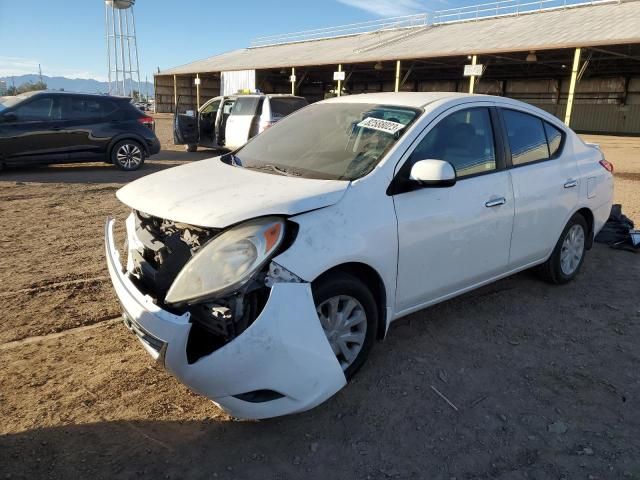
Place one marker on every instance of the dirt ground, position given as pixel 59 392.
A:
pixel 544 379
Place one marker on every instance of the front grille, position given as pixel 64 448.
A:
pixel 168 246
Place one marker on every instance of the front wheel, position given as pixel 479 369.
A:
pixel 127 155
pixel 568 254
pixel 349 317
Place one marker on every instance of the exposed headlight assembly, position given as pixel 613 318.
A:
pixel 228 261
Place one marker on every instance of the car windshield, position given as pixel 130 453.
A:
pixel 333 141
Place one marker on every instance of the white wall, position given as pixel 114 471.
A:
pixel 233 81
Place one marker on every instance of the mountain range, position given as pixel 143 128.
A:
pixel 84 85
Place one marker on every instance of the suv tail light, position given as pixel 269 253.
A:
pixel 608 166
pixel 146 121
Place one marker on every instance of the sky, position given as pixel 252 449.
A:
pixel 67 37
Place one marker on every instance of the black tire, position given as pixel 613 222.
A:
pixel 551 271
pixel 191 147
pixel 128 161
pixel 344 284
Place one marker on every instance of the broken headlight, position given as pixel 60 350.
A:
pixel 228 261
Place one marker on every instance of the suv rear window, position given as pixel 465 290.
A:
pixel 246 106
pixel 283 106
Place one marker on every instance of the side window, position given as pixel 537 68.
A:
pixel 554 138
pixel 228 106
pixel 88 108
pixel 213 107
pixel 40 109
pixel 283 106
pixel 246 106
pixel 465 139
pixel 527 139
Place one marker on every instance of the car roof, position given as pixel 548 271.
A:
pixel 261 95
pixel 64 92
pixel 405 99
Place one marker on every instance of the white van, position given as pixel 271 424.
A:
pixel 229 122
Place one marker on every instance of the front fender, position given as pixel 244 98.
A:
pixel 361 228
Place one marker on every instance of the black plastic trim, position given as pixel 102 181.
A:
pixel 259 396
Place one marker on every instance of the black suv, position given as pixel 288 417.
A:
pixel 59 127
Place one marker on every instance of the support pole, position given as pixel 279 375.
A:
pixel 572 86
pixel 115 47
pixel 175 94
pixel 198 92
pixel 293 80
pixel 106 23
pixel 472 80
pixel 124 64
pixel 340 82
pixel 135 42
pixel 398 65
pixel 131 84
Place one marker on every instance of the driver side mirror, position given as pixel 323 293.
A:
pixel 9 117
pixel 433 173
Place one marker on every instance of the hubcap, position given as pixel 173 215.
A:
pixel 572 250
pixel 345 324
pixel 129 156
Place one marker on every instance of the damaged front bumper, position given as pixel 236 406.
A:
pixel 281 364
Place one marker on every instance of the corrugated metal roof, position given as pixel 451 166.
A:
pixel 607 24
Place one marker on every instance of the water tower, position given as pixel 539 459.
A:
pixel 122 47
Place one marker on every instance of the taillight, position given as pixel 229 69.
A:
pixel 146 121
pixel 608 166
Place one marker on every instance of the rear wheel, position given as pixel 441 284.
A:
pixel 127 155
pixel 191 147
pixel 568 254
pixel 349 317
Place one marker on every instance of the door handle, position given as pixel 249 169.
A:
pixel 496 202
pixel 571 183
pixel 56 129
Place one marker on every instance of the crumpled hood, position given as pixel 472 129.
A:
pixel 210 193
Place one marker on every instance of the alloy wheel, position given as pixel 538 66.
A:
pixel 344 322
pixel 572 250
pixel 129 156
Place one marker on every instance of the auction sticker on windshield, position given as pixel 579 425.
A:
pixel 386 126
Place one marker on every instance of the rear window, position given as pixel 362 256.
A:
pixel 246 106
pixel 527 138
pixel 283 106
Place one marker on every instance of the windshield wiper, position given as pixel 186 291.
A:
pixel 288 173
pixel 274 168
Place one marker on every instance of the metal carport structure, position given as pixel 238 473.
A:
pixel 547 53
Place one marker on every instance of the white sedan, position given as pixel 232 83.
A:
pixel 262 278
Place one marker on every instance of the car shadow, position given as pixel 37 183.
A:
pixel 100 172
pixel 161 449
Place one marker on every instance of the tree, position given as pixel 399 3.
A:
pixel 28 87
